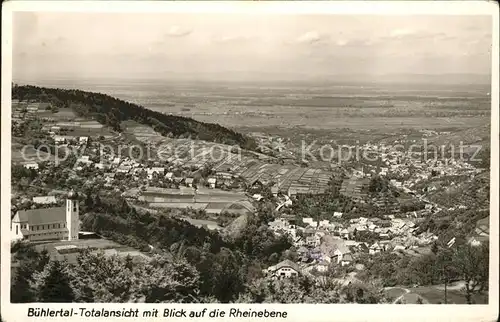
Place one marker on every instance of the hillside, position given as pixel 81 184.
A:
pixel 112 111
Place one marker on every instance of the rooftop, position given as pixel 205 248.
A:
pixel 41 216
pixel 287 263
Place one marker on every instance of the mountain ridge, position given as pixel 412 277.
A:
pixel 112 111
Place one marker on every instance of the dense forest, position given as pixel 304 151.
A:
pixel 167 278
pixel 112 111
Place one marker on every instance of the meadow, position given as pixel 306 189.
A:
pixel 310 106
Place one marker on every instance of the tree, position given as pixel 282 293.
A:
pixel 20 290
pixel 30 262
pixel 227 282
pixel 98 278
pixel 472 264
pixel 52 285
pixel 434 248
pixel 363 294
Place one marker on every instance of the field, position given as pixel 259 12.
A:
pixel 433 294
pixel 436 296
pixel 21 154
pixel 213 201
pixel 394 292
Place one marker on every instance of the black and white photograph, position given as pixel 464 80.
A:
pixel 249 158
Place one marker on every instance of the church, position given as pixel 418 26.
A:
pixel 57 223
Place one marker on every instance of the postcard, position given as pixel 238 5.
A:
pixel 250 160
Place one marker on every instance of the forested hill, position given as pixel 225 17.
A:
pixel 112 111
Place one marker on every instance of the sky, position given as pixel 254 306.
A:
pixel 253 46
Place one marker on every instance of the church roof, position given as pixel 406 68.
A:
pixel 42 216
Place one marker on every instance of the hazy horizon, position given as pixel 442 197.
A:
pixel 251 48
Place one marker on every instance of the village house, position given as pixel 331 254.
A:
pixel 123 169
pixel 351 243
pixel 85 159
pixel 44 200
pixel 340 254
pixel 284 269
pixel 59 139
pixel 224 175
pixel 385 245
pixel 257 197
pixel 101 166
pixel 156 170
pixel 283 202
pixel 322 266
pixel 60 223
pixel 278 224
pixel 212 182
pixel 55 129
pixel 344 233
pixel 301 250
pixel 346 259
pixel 310 222
pixel 298 241
pixel 83 139
pixel 399 247
pixel 292 192
pixel 375 248
pixel 477 241
pixel 275 190
pixel 313 241
pixel 189 182
pixel 109 177
pixel 337 214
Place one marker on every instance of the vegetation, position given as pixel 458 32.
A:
pixel 112 111
pixel 462 262
pixel 183 275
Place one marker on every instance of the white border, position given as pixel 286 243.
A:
pixel 300 312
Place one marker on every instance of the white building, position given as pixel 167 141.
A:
pixel 212 182
pixel 340 254
pixel 33 166
pixel 59 139
pixel 284 269
pixel 60 223
pixel 189 182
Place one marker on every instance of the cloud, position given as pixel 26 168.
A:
pixel 342 42
pixel 310 37
pixel 177 31
pixel 360 42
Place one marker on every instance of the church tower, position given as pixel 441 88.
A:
pixel 72 216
